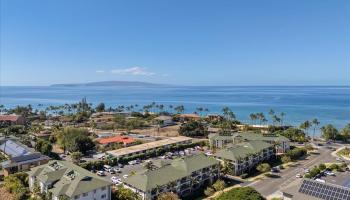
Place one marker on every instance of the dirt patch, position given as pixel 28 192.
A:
pixel 4 194
pixel 169 131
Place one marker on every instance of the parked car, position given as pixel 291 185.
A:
pixel 320 180
pixel 101 173
pixel 329 173
pixel 117 170
pixel 133 162
pixel 125 176
pixel 298 176
pixel 275 169
pixel 107 167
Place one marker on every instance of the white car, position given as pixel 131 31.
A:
pixel 306 171
pixel 339 159
pixel 298 176
pixel 100 173
pixel 329 173
pixel 114 178
pixel 117 170
pixel 208 153
pixel 125 176
pixel 320 180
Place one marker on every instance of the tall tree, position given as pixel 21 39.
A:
pixel 329 132
pixel 345 132
pixel 305 126
pixel 315 124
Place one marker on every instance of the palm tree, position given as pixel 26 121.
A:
pixel 305 126
pixel 315 124
pixel 272 113
pixel 253 117
pixel 228 114
pixel 282 117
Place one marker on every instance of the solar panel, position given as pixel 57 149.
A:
pixel 324 191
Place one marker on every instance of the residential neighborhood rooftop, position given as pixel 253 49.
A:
pixel 68 179
pixel 117 139
pixel 11 118
pixel 177 169
pixel 242 150
pixel 150 145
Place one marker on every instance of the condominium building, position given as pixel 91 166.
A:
pixel 280 143
pixel 244 156
pixel 20 157
pixel 149 147
pixel 64 179
pixel 181 176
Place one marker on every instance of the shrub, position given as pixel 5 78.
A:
pixel 263 167
pixel 209 191
pixel 286 159
pixel 246 193
pixel 296 153
pixel 322 167
pixel 219 185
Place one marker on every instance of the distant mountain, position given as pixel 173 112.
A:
pixel 109 83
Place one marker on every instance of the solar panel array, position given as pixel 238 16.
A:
pixel 324 191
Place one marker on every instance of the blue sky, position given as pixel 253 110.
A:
pixel 187 42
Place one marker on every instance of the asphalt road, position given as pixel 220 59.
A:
pixel 269 186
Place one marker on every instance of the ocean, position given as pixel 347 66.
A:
pixel 329 104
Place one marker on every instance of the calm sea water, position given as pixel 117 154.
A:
pixel 330 104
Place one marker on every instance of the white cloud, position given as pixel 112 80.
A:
pixel 133 71
pixel 100 71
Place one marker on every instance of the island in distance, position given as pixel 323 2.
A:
pixel 110 83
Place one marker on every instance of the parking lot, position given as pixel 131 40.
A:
pixel 140 165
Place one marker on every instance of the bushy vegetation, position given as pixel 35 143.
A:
pixel 263 167
pixel 44 147
pixel 168 196
pixel 124 194
pixel 294 134
pixel 296 153
pixel 193 129
pixel 17 184
pixel 246 193
pixel 75 139
pixel 344 152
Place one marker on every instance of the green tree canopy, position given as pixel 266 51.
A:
pixel 263 167
pixel 329 132
pixel 43 146
pixel 345 132
pixel 193 128
pixel 100 107
pixel 125 194
pixel 75 139
pixel 246 193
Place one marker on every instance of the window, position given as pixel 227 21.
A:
pixel 85 194
pixel 76 197
pixel 103 188
pixel 103 196
pixel 94 191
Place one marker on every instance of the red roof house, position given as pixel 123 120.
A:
pixel 126 141
pixel 12 119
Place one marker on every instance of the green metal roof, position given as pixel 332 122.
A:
pixel 177 169
pixel 242 150
pixel 249 136
pixel 68 179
